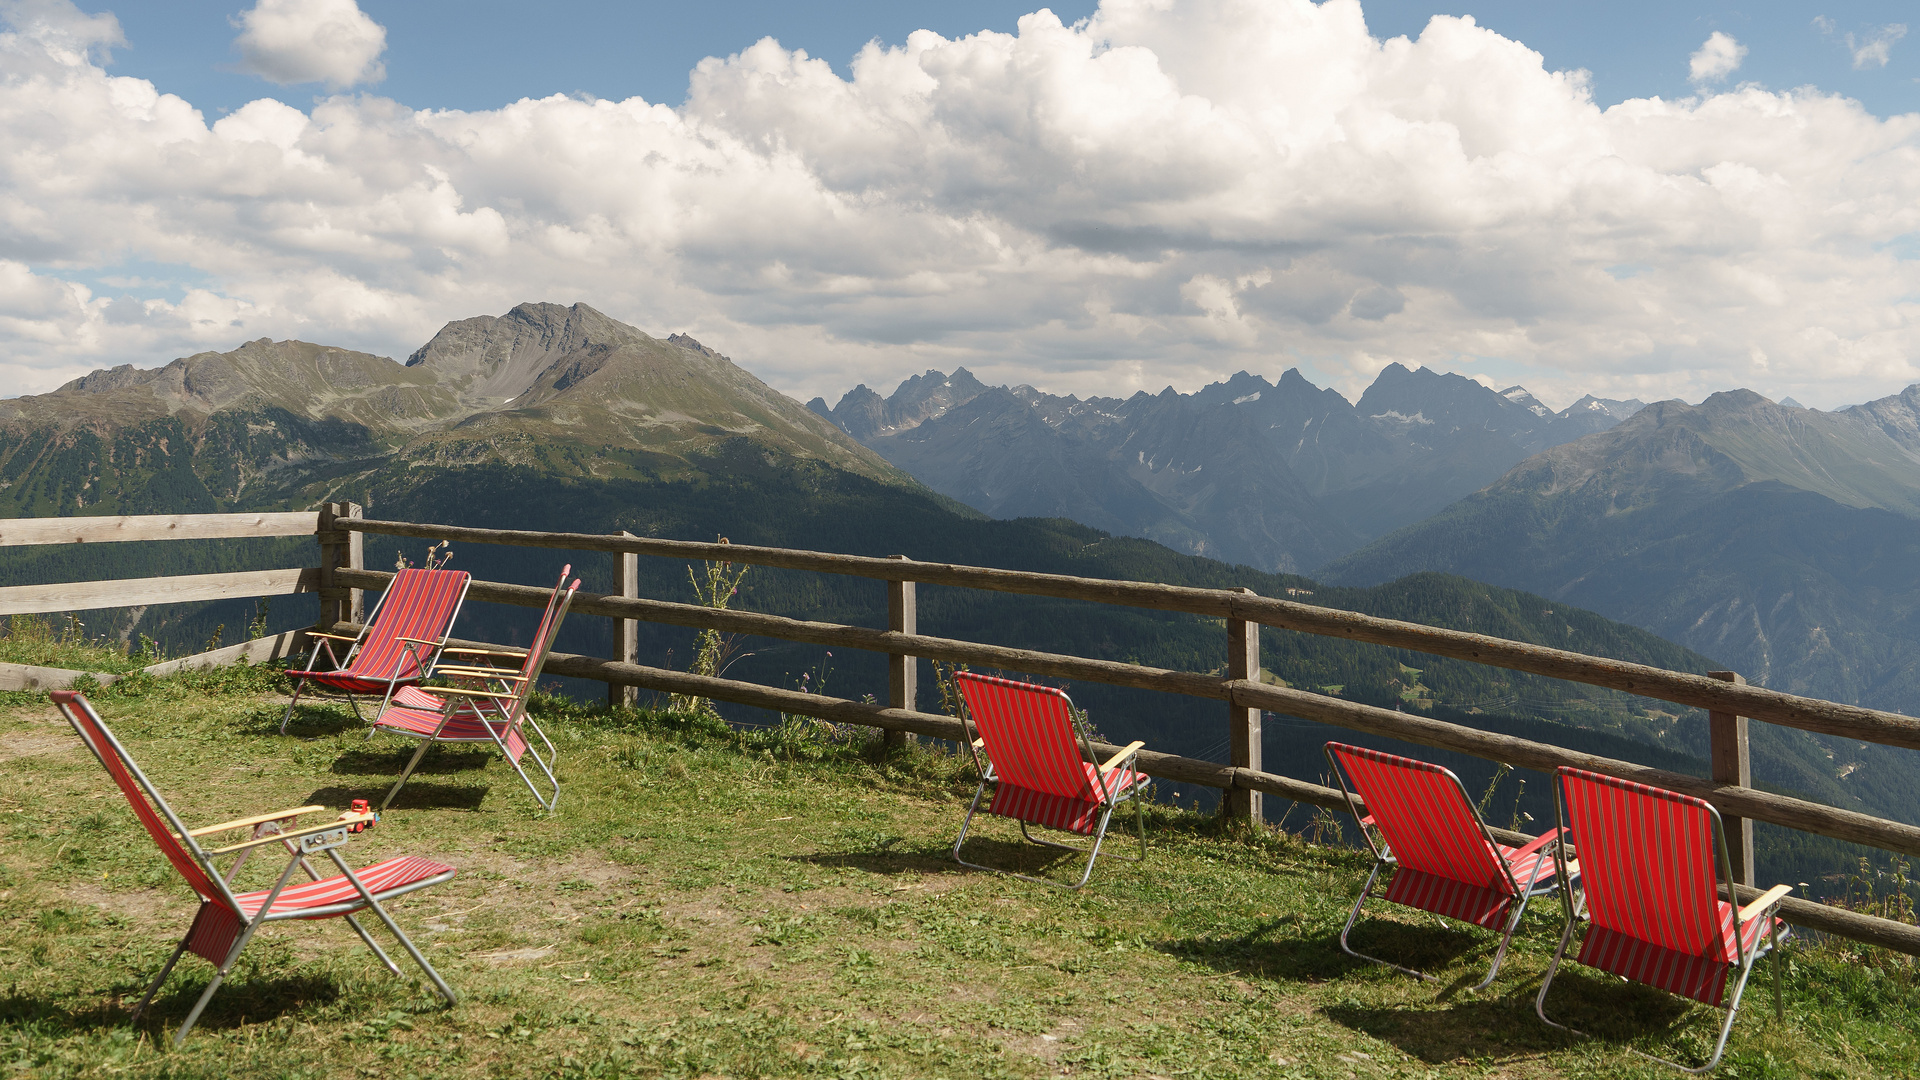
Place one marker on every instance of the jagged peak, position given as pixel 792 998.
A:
pixel 686 341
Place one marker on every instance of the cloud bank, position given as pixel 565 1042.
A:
pixel 1166 193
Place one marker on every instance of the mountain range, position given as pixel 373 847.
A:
pixel 1769 538
pixel 1781 540
pixel 1281 477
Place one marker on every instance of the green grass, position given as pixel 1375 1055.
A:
pixel 29 639
pixel 715 903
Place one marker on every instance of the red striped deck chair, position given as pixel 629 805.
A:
pixel 227 920
pixel 1652 865
pixel 491 709
pixel 398 647
pixel 1444 861
pixel 1039 761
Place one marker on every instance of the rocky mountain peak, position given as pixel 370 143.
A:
pixel 489 359
pixel 686 341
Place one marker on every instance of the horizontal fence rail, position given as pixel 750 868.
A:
pixel 15 532
pixel 134 592
pixel 1745 802
pixel 1682 688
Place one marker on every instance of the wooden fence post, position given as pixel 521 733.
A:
pixel 1243 724
pixel 1733 764
pixel 356 560
pixel 903 672
pixel 332 542
pixel 626 632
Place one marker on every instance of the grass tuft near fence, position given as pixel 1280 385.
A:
pixel 717 902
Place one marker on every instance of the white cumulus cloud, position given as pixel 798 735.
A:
pixel 1166 193
pixel 1716 59
pixel 303 41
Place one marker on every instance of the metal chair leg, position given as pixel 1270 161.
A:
pixel 154 986
pixel 1366 893
pixel 394 928
pixel 425 744
pixel 298 689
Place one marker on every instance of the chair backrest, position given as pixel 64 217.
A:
pixel 536 658
pixel 1648 861
pixel 1429 823
pixel 169 834
pixel 417 604
pixel 1029 732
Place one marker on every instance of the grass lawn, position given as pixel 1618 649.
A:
pixel 708 903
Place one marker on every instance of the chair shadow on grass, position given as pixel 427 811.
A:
pixel 417 795
pixel 377 760
pixel 310 721
pixel 1500 1023
pixel 1274 951
pixel 895 856
pixel 246 999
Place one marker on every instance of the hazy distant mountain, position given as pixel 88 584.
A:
pixel 1782 540
pixel 1281 477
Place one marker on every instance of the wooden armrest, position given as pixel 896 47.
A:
pixel 518 654
pixel 417 641
pixel 1121 755
pixel 257 819
pixel 1764 901
pixel 335 637
pixel 461 691
pixel 350 819
pixel 481 672
pixel 979 744
pixel 1573 869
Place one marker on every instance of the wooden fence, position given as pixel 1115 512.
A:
pixel 341 579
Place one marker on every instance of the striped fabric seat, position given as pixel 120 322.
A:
pixel 1441 856
pixel 448 715
pixel 1652 863
pixel 1039 763
pixel 227 921
pixel 417 712
pixel 418 604
pixel 217 927
pixel 1067 813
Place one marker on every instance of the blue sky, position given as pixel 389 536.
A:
pixel 1108 197
pixel 479 54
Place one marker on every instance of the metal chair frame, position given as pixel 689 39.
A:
pixel 410 650
pixel 1110 799
pixel 1384 859
pixel 326 838
pixel 500 711
pixel 1746 958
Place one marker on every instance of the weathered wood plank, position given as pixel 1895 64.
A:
pixel 108 530
pixel 840 635
pixel 131 592
pixel 258 651
pixel 1772 706
pixel 1209 602
pixel 1699 691
pixel 34 677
